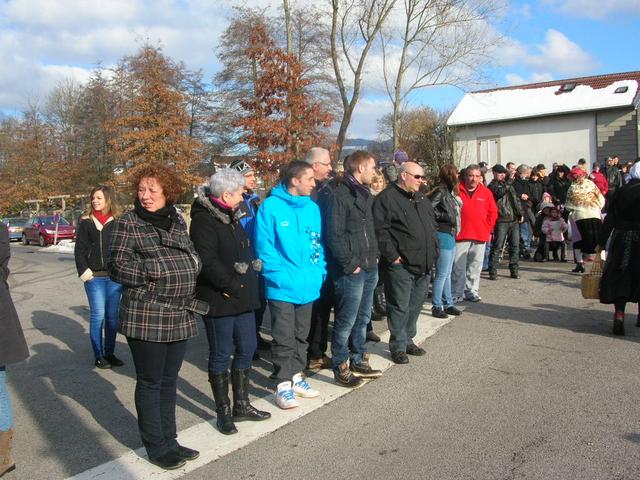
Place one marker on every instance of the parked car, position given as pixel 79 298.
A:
pixel 14 225
pixel 42 230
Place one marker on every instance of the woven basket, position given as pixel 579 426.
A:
pixel 591 281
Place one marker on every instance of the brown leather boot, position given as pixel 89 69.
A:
pixel 6 461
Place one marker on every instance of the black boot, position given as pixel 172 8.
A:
pixel 220 387
pixel 379 302
pixel 242 409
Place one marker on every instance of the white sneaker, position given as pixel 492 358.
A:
pixel 285 398
pixel 302 389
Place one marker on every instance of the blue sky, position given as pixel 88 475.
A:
pixel 44 42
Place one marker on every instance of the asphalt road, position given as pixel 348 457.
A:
pixel 527 384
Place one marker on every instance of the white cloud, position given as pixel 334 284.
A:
pixel 597 9
pixel 45 41
pixel 556 57
pixel 514 79
pixel 364 122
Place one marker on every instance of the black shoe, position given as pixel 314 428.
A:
pixel 345 377
pixel 438 312
pixel 186 453
pixel 453 311
pixel 416 351
pixel 169 461
pixel 618 326
pixel 242 409
pixel 372 337
pixel 102 363
pixel 493 275
pixel 113 360
pixel 579 268
pixel 220 387
pixel 399 357
pixel 514 274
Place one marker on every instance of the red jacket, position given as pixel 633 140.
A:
pixel 478 216
pixel 601 181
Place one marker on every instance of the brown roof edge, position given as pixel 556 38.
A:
pixel 596 82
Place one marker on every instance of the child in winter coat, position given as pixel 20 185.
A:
pixel 554 228
pixel 542 252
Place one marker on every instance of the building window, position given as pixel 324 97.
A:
pixel 621 89
pixel 568 87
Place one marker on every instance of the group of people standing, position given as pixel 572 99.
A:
pixel 315 244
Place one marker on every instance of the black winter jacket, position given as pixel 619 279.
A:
pixel 92 244
pixel 225 251
pixel 406 228
pixel 444 209
pixel 350 233
pixel 507 201
pixel 559 188
pixel 537 189
pixel 614 178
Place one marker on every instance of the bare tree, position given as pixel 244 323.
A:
pixel 423 133
pixel 435 42
pixel 355 25
pixel 287 24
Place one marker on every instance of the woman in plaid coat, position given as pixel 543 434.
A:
pixel 152 256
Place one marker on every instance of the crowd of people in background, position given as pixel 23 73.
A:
pixel 364 244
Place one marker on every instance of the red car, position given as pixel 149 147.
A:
pixel 42 230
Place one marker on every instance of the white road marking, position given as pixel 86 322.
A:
pixel 213 445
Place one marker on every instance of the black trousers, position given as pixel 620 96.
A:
pixel 320 315
pixel 157 366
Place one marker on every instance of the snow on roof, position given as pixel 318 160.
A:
pixel 590 93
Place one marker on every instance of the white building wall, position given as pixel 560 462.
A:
pixel 562 139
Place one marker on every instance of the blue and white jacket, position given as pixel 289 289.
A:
pixel 288 241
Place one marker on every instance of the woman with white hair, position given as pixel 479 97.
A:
pixel 228 282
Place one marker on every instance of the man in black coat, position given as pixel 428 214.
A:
pixel 509 215
pixel 523 189
pixel 406 232
pixel 318 337
pixel 352 258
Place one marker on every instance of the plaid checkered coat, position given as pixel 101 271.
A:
pixel 158 270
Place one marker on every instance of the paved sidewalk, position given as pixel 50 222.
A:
pixel 74 420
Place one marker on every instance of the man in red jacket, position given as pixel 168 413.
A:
pixel 477 219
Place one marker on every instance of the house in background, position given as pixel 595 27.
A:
pixel 559 121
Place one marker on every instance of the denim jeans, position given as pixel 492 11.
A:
pixel 289 329
pixel 353 302
pixel 505 232
pixel 6 411
pixel 228 334
pixel 525 235
pixel 442 297
pixel 405 294
pixel 104 302
pixel 157 367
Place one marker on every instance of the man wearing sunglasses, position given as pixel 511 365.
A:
pixel 406 232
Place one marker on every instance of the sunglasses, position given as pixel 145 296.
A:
pixel 417 177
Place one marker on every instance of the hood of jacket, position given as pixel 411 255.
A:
pixel 294 201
